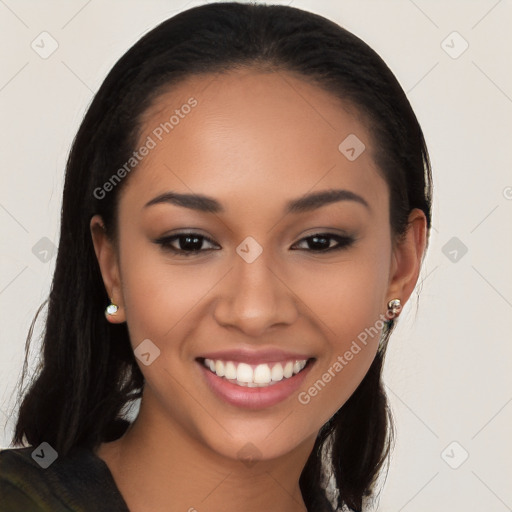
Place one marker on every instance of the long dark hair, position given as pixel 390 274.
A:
pixel 88 374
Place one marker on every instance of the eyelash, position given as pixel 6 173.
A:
pixel 343 243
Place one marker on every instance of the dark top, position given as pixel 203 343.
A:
pixel 79 482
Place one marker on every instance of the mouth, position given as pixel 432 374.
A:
pixel 254 386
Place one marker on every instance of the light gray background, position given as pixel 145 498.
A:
pixel 448 366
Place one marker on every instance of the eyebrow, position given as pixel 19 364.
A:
pixel 305 203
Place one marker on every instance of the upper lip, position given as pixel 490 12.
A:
pixel 270 355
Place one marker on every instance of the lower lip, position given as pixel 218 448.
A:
pixel 254 398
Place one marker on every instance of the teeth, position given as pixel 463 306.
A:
pixel 243 373
pixel 288 370
pixel 298 366
pixel 229 371
pixel 219 368
pixel 277 373
pixel 261 375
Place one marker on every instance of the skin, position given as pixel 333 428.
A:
pixel 254 141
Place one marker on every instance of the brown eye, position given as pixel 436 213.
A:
pixel 185 244
pixel 323 242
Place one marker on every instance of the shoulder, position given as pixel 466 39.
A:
pixel 38 480
pixel 22 485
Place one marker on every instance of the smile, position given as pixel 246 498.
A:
pixel 255 385
pixel 251 375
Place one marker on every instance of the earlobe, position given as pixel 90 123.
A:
pixel 407 257
pixel 109 268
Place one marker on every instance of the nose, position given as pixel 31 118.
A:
pixel 255 298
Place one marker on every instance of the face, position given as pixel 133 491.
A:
pixel 241 282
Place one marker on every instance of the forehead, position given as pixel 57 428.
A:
pixel 247 133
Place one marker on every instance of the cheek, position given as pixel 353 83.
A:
pixel 347 296
pixel 349 305
pixel 158 295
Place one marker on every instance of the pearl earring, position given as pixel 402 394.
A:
pixel 111 309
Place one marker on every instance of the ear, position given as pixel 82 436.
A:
pixel 109 267
pixel 407 257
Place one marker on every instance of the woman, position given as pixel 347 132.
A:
pixel 246 209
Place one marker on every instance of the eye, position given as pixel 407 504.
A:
pixel 191 244
pixel 185 244
pixel 322 242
